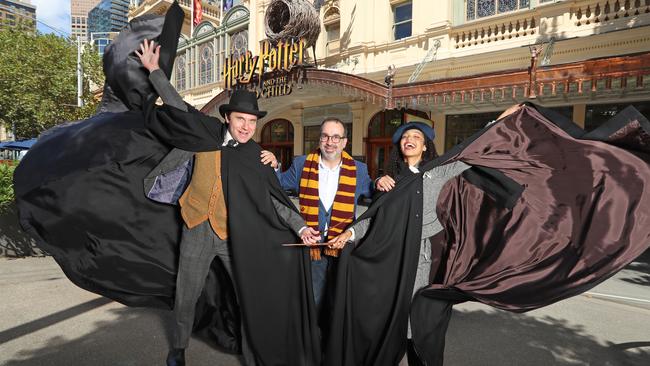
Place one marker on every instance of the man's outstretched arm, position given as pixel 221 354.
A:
pixel 149 57
pixel 175 122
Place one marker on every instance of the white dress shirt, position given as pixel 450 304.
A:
pixel 328 183
pixel 227 138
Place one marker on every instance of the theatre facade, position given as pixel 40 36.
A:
pixel 458 64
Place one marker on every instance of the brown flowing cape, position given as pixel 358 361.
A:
pixel 546 212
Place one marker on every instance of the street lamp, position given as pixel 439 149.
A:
pixel 80 101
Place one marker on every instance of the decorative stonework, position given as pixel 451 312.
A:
pixel 606 78
pixel 237 14
pixel 332 15
pixel 605 11
pixel 496 31
pixel 203 28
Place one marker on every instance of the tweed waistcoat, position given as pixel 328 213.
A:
pixel 204 199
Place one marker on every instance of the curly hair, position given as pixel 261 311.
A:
pixel 395 166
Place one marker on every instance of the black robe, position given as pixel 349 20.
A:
pixel 85 205
pixel 283 331
pixel 80 194
pixel 545 213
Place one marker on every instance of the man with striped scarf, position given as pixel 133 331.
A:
pixel 329 183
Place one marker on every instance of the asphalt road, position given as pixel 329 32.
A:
pixel 46 320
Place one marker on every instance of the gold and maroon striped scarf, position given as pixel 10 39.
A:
pixel 342 211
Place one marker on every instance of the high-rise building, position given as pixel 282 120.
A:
pixel 79 17
pixel 104 21
pixel 108 16
pixel 101 40
pixel 17 12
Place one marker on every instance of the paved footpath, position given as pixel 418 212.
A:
pixel 46 320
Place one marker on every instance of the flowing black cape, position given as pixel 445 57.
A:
pixel 80 194
pixel 546 212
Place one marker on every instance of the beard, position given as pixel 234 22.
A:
pixel 330 156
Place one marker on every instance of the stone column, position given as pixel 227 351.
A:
pixel 439 124
pixel 579 112
pixel 358 109
pixel 295 116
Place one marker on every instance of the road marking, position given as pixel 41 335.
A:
pixel 597 294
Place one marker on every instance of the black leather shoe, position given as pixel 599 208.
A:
pixel 176 357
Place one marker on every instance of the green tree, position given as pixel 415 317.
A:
pixel 6 186
pixel 38 81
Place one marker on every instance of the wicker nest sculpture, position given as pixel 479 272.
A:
pixel 292 19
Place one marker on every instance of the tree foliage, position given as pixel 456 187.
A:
pixel 6 186
pixel 38 81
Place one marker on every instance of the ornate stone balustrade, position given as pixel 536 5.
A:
pixel 608 10
pixel 495 31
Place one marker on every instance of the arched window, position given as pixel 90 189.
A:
pixel 332 22
pixel 207 61
pixel 277 137
pixel 180 73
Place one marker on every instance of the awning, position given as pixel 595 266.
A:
pixel 17 145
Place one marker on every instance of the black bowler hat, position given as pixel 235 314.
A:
pixel 242 101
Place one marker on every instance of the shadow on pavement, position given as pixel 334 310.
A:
pixel 136 337
pixel 46 321
pixel 508 339
pixel 14 242
pixel 641 269
pixel 139 337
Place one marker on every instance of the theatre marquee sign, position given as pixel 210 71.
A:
pixel 270 73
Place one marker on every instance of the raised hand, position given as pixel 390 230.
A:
pixel 150 55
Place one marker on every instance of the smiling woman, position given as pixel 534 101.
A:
pixel 412 147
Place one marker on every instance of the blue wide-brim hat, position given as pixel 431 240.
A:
pixel 423 127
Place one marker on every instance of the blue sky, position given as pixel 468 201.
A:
pixel 55 13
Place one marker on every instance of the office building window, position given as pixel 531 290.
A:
pixel 402 17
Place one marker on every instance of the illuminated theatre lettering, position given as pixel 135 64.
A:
pixel 273 62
